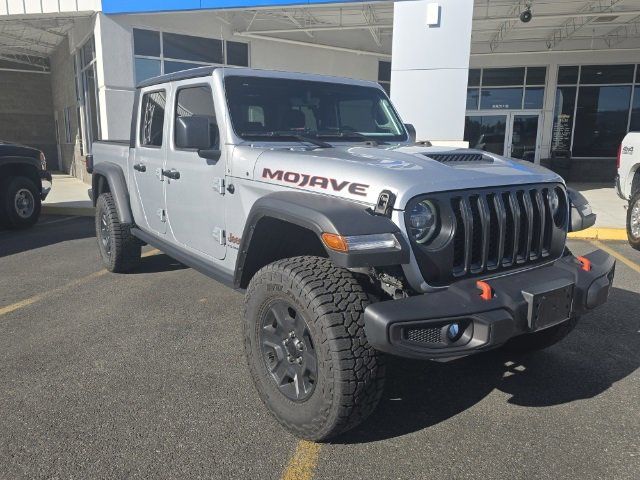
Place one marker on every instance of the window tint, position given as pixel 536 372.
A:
pixel 384 71
pixel 198 101
pixel 536 75
pixel 171 66
pixel 474 77
pixel 196 49
pixel 601 120
pixel 146 68
pixel 152 118
pixel 567 75
pixel 501 98
pixel 534 97
pixel 473 94
pixel 495 77
pixel 146 42
pixel 238 54
pixel 606 74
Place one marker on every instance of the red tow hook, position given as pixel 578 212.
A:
pixel 486 292
pixel 585 262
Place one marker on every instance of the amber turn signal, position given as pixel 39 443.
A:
pixel 335 242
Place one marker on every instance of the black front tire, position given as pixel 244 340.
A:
pixel 633 219
pixel 119 249
pixel 20 204
pixel 532 342
pixel 328 302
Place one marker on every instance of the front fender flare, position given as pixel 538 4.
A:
pixel 114 177
pixel 323 214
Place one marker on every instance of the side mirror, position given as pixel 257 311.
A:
pixel 411 130
pixel 209 154
pixel 581 216
pixel 193 132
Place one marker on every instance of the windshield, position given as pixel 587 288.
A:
pixel 276 109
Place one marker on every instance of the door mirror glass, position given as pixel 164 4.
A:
pixel 193 132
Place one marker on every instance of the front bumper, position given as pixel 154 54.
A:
pixel 47 182
pixel 416 327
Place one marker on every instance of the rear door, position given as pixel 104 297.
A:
pixel 195 201
pixel 149 158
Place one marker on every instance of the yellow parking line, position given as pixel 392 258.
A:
pixel 629 263
pixel 303 464
pixel 41 296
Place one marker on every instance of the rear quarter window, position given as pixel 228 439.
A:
pixel 152 118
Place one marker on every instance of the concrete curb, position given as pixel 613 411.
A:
pixel 71 211
pixel 597 233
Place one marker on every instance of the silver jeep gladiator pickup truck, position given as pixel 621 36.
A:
pixel 351 240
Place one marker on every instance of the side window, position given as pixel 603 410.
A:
pixel 199 101
pixel 152 118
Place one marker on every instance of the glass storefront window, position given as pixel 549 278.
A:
pixel 486 132
pixel 635 112
pixel 473 94
pixel 146 68
pixel 601 120
pixel 496 77
pixel 536 75
pixel 602 74
pixel 563 121
pixel 533 98
pixel 474 77
pixel 501 98
pixel 568 75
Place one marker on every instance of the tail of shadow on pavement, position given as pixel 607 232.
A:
pixel 157 263
pixel 603 349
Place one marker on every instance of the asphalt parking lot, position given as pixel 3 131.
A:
pixel 143 376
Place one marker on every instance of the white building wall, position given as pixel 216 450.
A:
pixel 429 68
pixel 116 71
pixel 552 60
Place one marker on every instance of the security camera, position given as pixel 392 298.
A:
pixel 526 16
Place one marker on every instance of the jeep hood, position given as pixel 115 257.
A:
pixel 360 173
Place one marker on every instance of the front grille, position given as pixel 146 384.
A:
pixel 503 229
pixel 487 231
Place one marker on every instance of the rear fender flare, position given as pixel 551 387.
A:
pixel 117 185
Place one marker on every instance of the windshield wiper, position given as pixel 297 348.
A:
pixel 284 135
pixel 343 135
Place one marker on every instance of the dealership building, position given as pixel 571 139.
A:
pixel 555 82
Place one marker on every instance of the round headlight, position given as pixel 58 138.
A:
pixel 423 221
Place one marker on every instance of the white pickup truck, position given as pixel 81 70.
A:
pixel 628 184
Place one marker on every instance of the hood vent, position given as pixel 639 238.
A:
pixel 459 158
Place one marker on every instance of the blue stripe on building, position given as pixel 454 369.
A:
pixel 142 6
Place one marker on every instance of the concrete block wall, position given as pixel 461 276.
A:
pixel 26 111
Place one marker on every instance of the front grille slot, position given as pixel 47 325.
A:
pixel 497 230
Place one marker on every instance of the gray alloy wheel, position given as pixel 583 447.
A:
pixel 105 234
pixel 24 203
pixel 633 221
pixel 288 350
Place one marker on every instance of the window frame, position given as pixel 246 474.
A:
pixel 139 127
pixel 175 113
pixel 162 58
pixel 481 86
pixel 634 84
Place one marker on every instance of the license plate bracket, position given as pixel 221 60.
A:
pixel 549 304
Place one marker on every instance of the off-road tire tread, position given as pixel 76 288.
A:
pixel 337 302
pixel 125 249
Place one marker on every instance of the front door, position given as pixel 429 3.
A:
pixel 524 137
pixel 195 200
pixel 149 159
pixel 511 134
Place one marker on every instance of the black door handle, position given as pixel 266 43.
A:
pixel 172 174
pixel 141 167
